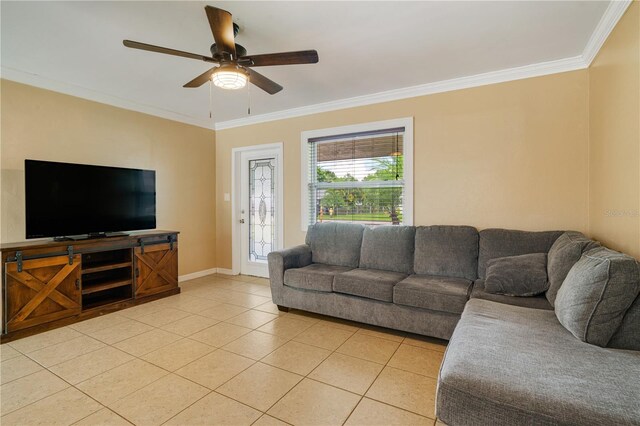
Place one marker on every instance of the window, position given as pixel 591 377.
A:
pixel 360 174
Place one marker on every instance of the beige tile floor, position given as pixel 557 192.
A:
pixel 219 353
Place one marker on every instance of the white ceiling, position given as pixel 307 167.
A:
pixel 364 48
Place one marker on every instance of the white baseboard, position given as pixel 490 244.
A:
pixel 204 273
pixel 198 274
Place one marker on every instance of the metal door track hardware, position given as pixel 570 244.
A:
pixel 19 260
pixel 142 246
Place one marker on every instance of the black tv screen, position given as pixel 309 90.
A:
pixel 65 199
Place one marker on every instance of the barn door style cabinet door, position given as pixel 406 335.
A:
pixel 156 268
pixel 42 290
pixel 49 284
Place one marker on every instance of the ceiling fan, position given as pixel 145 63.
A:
pixel 234 65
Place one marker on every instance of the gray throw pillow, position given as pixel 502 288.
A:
pixel 524 275
pixel 564 253
pixel 496 243
pixel 597 293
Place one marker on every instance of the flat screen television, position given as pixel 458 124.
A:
pixel 64 199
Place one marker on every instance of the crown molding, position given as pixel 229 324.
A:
pixel 492 77
pixel 37 80
pixel 510 74
pixel 607 23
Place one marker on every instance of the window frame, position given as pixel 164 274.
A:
pixel 406 122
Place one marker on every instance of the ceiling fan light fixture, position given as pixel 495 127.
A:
pixel 229 77
pixel 235 67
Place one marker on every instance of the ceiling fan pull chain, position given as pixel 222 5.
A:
pixel 248 95
pixel 210 95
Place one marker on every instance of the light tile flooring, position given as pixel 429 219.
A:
pixel 219 353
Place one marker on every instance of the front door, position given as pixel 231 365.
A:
pixel 258 209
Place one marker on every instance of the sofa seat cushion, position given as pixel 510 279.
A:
pixel 445 294
pixel 515 366
pixel 370 283
pixel 535 302
pixel 316 277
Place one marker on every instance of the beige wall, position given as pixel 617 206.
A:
pixel 554 152
pixel 512 155
pixel 614 116
pixel 45 125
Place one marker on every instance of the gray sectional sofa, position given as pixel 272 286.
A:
pixel 570 355
pixel 415 279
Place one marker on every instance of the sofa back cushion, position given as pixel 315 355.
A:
pixel 595 296
pixel 450 251
pixel 506 242
pixel 628 334
pixel 564 253
pixel 388 248
pixel 335 243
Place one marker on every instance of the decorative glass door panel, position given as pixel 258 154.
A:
pixel 262 202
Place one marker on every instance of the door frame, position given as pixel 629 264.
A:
pixel 275 150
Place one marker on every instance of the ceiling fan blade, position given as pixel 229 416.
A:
pixel 269 86
pixel 166 50
pixel 284 58
pixel 221 24
pixel 201 79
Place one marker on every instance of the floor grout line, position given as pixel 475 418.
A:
pixel 372 382
pixel 320 320
pixel 303 377
pixel 103 408
pixel 328 384
pixel 36 401
pixel 70 386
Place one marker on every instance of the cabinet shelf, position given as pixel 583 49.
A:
pixel 105 267
pixel 94 288
pixel 105 298
pixel 103 303
pixel 106 275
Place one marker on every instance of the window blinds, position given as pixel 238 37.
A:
pixel 357 177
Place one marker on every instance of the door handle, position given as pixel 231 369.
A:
pixel 241 220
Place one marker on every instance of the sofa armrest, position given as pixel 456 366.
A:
pixel 280 261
